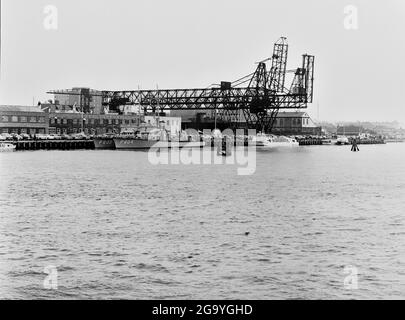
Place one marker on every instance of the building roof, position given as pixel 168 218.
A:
pixel 296 114
pixel 20 108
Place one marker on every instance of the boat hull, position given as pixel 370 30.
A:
pixel 271 145
pixel 104 144
pixel 138 144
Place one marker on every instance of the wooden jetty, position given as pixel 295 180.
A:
pixel 53 145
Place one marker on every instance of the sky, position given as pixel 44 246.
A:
pixel 123 44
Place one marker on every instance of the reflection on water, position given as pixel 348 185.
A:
pixel 117 227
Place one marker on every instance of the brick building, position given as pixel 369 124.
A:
pixel 23 119
pixel 70 123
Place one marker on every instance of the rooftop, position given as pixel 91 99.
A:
pixel 297 114
pixel 20 108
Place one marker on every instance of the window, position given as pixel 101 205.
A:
pixel 52 120
pixel 42 119
pixel 14 119
pixel 4 118
pixel 75 121
pixel 23 119
pixel 58 121
pixel 64 121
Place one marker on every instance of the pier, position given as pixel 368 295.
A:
pixel 54 145
pixel 310 142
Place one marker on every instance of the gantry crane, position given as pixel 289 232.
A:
pixel 252 101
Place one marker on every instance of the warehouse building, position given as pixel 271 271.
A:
pixel 23 119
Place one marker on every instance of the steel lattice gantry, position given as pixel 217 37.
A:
pixel 252 101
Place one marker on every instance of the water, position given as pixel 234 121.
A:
pixel 117 227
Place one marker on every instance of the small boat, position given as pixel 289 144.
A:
pixel 272 141
pixel 7 147
pixel 342 140
pixel 326 141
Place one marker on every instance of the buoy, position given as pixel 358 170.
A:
pixel 355 147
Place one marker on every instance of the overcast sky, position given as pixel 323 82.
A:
pixel 121 44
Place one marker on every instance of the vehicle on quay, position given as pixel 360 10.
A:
pixel 80 136
pixel 25 136
pixel 56 137
pixel 267 141
pixel 65 137
pixel 16 137
pixel 7 147
pixel 41 136
pixel 7 136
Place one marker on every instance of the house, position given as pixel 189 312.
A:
pixel 295 123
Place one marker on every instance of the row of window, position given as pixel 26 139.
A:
pixel 93 121
pixel 57 130
pixel 78 130
pixel 23 130
pixel 22 119
pixel 295 121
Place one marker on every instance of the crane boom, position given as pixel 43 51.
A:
pixel 256 104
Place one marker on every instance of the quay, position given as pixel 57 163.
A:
pixel 310 142
pixel 54 145
pixel 369 141
pixel 31 145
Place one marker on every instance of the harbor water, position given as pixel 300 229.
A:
pixel 117 227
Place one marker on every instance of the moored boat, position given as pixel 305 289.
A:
pixel 272 141
pixel 342 140
pixel 7 147
pixel 104 142
pixel 153 138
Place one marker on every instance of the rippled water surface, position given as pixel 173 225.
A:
pixel 117 227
